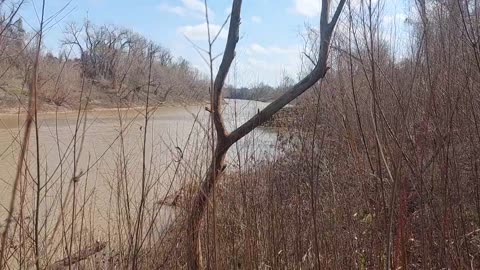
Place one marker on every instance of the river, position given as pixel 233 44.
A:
pixel 105 147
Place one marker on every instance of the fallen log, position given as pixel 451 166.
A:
pixel 79 256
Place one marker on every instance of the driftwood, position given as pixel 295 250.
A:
pixel 79 256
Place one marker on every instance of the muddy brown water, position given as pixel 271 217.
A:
pixel 109 147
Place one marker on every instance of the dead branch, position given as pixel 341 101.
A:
pixel 79 256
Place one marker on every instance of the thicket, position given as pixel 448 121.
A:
pixel 379 168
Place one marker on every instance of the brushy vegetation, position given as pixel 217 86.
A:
pixel 109 61
pixel 375 167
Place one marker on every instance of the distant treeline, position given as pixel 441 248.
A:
pixel 259 92
pixel 110 63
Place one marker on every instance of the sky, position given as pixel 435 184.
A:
pixel 270 34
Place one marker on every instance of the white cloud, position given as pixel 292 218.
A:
pixel 256 19
pixel 195 5
pixel 200 31
pixel 187 7
pixel 255 69
pixel 267 63
pixel 260 64
pixel 259 49
pixel 178 10
pixel 308 8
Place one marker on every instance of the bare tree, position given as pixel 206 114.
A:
pixel 224 139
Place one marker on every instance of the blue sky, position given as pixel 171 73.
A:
pixel 270 42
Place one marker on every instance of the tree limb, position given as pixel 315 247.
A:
pixel 225 140
pixel 315 75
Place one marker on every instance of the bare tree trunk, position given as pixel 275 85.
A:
pixel 226 140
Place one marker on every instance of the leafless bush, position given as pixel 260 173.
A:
pixel 377 168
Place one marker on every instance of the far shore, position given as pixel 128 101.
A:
pixel 51 109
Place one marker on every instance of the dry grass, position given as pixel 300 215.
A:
pixel 378 169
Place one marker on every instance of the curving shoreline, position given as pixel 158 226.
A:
pixel 68 110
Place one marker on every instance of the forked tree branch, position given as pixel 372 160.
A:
pixel 228 56
pixel 225 140
pixel 318 72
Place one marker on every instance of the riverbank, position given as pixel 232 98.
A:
pixel 53 109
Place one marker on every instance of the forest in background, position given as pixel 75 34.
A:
pixel 107 61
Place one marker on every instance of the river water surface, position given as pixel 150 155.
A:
pixel 99 149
